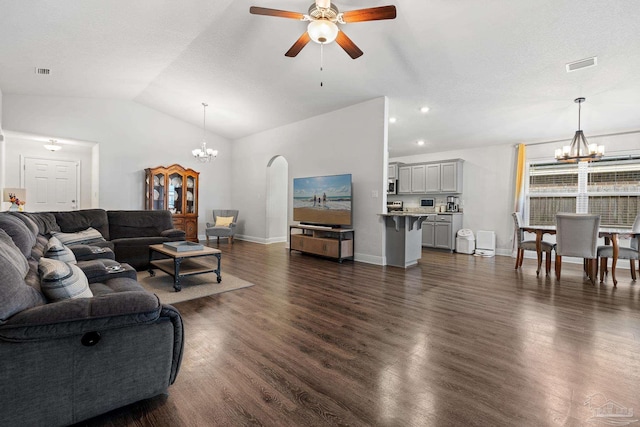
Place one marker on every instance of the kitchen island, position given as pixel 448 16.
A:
pixel 403 232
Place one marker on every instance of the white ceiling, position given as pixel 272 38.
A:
pixel 491 71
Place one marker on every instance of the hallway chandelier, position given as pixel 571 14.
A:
pixel 203 153
pixel 579 150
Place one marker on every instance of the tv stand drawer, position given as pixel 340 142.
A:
pixel 337 243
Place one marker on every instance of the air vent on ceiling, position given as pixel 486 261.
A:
pixel 43 71
pixel 583 63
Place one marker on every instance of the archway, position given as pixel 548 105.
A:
pixel 277 199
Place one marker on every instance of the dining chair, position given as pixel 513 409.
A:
pixel 529 245
pixel 577 236
pixel 631 253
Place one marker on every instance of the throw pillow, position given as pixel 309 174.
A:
pixel 90 235
pixel 224 221
pixel 56 250
pixel 60 281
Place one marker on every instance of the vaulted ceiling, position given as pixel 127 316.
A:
pixel 491 72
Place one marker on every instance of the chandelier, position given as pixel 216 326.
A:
pixel 579 150
pixel 203 153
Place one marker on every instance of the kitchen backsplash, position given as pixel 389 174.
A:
pixel 411 203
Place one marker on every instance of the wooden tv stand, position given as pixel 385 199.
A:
pixel 325 241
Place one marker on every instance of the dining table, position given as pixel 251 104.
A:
pixel 611 236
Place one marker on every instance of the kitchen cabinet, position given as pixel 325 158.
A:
pixel 404 180
pixel 432 184
pixel 451 177
pixel 439 231
pixel 392 172
pixel 431 178
pixel 412 179
pixel 418 179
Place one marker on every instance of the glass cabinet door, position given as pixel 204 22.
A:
pixel 191 195
pixel 174 193
pixel 158 191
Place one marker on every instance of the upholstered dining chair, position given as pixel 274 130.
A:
pixel 224 224
pixel 631 253
pixel 529 245
pixel 577 236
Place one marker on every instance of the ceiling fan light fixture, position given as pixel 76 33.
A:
pixel 322 31
pixel 323 4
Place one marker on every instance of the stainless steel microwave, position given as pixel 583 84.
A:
pixel 392 186
pixel 428 202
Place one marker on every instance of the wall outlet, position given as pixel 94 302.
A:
pixel 374 194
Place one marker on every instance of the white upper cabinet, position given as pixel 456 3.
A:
pixel 404 179
pixel 393 171
pixel 431 178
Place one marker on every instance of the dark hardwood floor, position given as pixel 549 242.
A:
pixel 455 341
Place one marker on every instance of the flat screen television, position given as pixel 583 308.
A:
pixel 323 200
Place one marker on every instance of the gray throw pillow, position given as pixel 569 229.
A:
pixel 15 294
pixel 56 250
pixel 60 280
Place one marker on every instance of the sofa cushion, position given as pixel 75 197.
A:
pixel 60 280
pixel 56 250
pixel 90 235
pixel 125 224
pixel 23 238
pixel 45 221
pixel 31 225
pixel 73 221
pixel 16 295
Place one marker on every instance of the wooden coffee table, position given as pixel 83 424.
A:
pixel 181 264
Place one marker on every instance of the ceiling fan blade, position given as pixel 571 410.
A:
pixel 298 45
pixel 348 46
pixel 275 12
pixel 370 14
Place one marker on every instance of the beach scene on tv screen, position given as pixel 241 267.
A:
pixel 322 199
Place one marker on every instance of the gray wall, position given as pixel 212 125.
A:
pixel 351 140
pixel 131 137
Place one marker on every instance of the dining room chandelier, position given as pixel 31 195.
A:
pixel 203 153
pixel 579 150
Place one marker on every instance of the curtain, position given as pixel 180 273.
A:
pixel 518 199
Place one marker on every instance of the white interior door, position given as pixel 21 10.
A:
pixel 52 185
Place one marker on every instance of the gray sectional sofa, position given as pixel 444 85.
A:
pixel 104 344
pixel 128 233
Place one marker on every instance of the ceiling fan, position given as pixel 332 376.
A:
pixel 323 18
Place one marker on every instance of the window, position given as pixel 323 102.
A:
pixel 610 188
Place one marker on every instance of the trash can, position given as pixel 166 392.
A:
pixel 465 242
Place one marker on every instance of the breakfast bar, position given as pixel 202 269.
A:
pixel 403 232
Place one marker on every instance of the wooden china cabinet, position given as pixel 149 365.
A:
pixel 176 189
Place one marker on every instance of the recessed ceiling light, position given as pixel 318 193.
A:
pixel 424 109
pixel 420 142
pixel 392 120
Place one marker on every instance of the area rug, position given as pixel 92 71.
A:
pixel 193 287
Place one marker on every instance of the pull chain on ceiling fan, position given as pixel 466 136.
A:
pixel 323 17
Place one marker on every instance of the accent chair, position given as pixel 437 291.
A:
pixel 224 224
